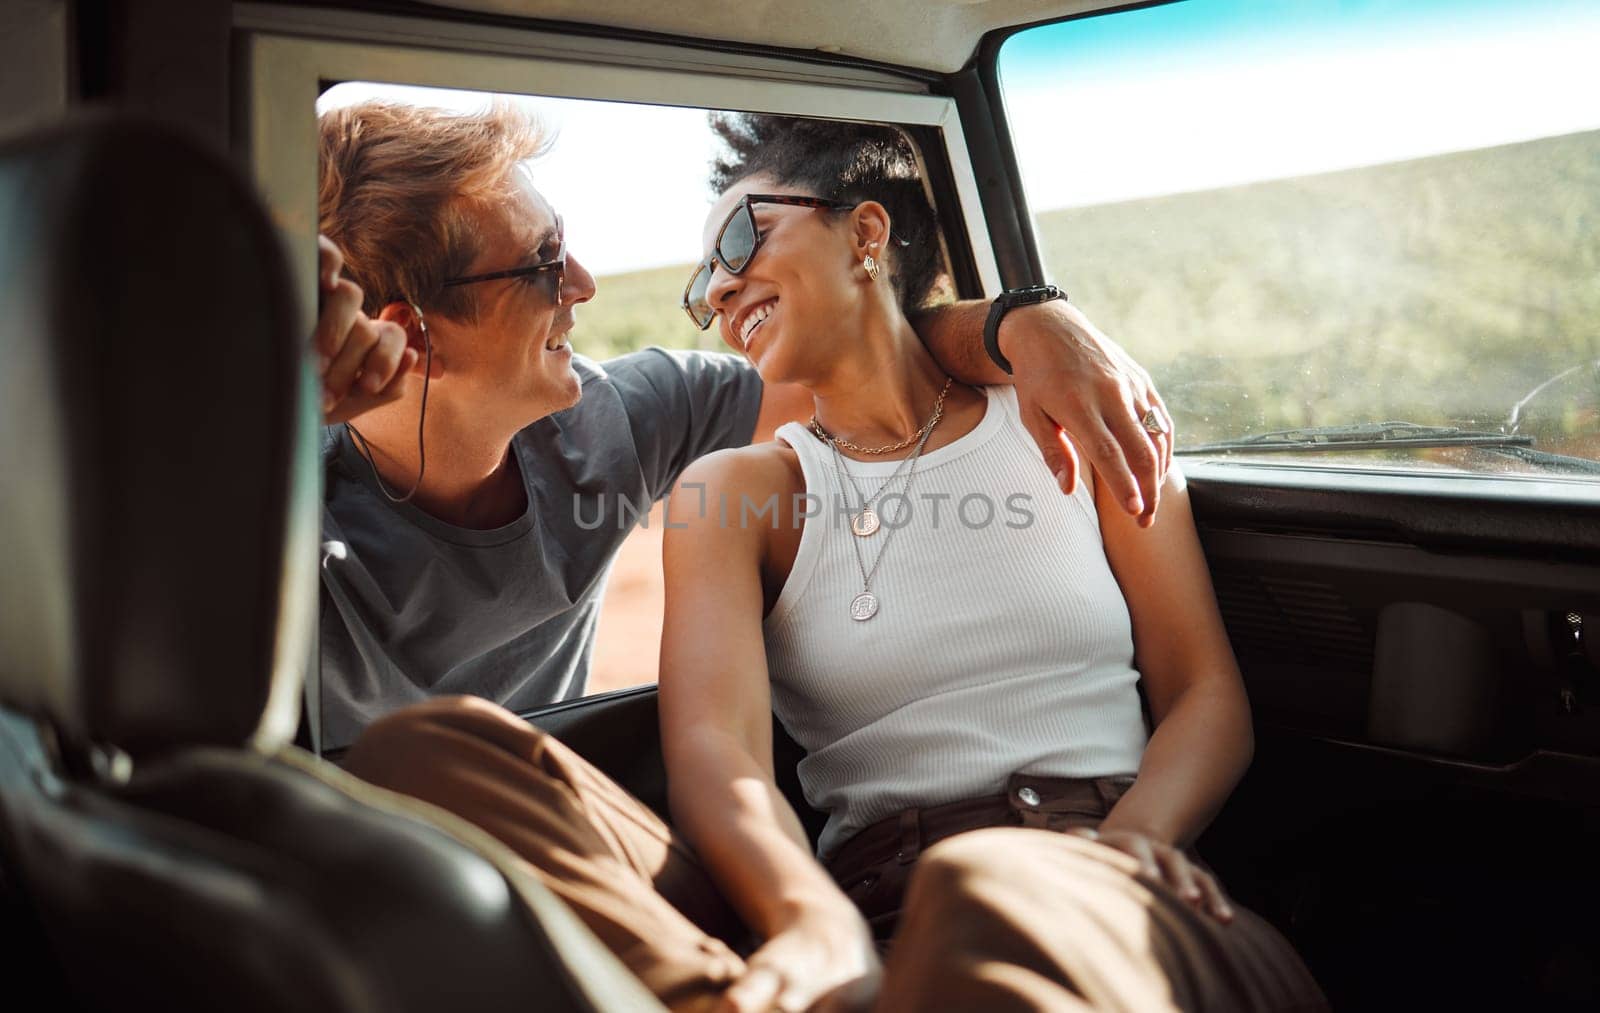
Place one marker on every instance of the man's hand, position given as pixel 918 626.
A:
pixel 820 965
pixel 1073 381
pixel 362 361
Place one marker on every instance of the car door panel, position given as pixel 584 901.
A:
pixel 1427 767
pixel 620 734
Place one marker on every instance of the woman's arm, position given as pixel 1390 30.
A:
pixel 1203 740
pixel 716 730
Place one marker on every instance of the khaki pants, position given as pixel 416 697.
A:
pixel 997 919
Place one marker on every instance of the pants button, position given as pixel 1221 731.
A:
pixel 1028 797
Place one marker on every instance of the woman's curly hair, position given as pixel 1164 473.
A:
pixel 847 162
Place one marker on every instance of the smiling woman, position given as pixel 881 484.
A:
pixel 943 674
pixel 819 174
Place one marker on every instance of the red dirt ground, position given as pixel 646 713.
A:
pixel 627 649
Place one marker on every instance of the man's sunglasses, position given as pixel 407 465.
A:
pixel 558 264
pixel 736 245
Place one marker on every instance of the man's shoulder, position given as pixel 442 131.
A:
pixel 652 366
pixel 658 363
pixel 328 441
pixel 338 456
pixel 655 380
pixel 589 370
pixel 671 405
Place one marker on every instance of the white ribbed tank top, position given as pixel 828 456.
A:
pixel 998 647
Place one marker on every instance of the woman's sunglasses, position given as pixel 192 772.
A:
pixel 558 264
pixel 736 245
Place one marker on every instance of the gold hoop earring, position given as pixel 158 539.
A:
pixel 871 265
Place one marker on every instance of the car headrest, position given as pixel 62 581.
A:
pixel 157 469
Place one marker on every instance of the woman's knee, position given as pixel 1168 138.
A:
pixel 1001 869
pixel 1008 851
pixel 1023 895
pixel 969 871
pixel 956 860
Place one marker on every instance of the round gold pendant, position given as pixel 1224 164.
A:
pixel 863 606
pixel 864 523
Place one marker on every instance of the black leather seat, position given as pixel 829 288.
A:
pixel 161 846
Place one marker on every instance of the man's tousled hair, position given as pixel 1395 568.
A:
pixel 395 183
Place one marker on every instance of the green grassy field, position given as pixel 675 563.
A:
pixel 1437 290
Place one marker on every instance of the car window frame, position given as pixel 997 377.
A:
pixel 289 56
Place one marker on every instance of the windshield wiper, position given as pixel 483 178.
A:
pixel 1365 436
pixel 1559 462
pixel 1392 435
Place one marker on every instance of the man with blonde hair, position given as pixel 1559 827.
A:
pixel 463 430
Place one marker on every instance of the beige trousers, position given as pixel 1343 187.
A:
pixel 995 919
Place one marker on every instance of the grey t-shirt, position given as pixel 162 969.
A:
pixel 413 607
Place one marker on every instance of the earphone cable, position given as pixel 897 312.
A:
pixel 422 416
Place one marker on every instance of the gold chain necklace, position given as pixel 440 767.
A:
pixel 933 420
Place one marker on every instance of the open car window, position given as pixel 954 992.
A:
pixel 630 181
pixel 1352 235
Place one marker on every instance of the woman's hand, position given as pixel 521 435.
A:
pixel 1169 865
pixel 821 964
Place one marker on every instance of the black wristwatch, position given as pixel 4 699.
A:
pixel 1003 304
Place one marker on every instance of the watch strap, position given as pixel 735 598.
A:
pixel 1003 304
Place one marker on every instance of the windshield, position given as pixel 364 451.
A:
pixel 1328 213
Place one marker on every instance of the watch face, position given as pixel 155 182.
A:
pixel 1033 294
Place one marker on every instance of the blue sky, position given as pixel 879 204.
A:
pixel 1194 31
pixel 1207 93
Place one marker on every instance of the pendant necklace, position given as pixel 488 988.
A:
pixel 865 604
pixel 865 523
